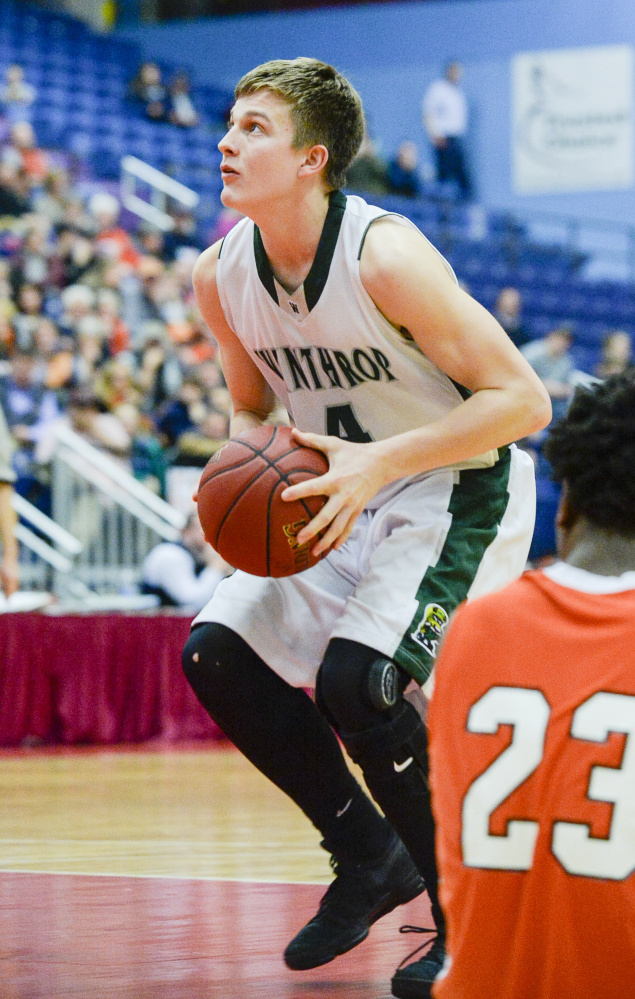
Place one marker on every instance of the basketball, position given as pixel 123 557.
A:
pixel 240 507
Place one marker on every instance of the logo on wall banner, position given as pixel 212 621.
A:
pixel 430 628
pixel 573 120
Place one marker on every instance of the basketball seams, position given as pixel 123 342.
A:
pixel 283 476
pixel 223 470
pixel 233 517
pixel 252 482
pixel 255 453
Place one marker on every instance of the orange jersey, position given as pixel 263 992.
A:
pixel 532 748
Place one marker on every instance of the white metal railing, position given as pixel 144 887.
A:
pixel 161 187
pixel 113 516
pixel 52 548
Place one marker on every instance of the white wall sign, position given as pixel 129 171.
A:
pixel 572 124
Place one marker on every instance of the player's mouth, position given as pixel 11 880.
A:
pixel 227 171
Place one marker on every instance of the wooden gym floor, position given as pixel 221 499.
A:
pixel 166 874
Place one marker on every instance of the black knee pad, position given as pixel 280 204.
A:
pixel 215 657
pixel 356 685
pixel 389 748
pixel 199 652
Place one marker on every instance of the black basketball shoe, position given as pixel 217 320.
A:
pixel 359 896
pixel 415 980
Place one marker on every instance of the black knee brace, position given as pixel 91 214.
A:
pixel 384 734
pixel 388 749
pixel 356 685
pixel 277 727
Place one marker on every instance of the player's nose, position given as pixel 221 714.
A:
pixel 227 144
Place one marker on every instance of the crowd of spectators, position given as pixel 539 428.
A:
pixel 99 328
pixel 164 102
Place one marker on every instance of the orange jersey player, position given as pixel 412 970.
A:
pixel 532 741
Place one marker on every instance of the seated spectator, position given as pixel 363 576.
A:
pixel 31 264
pixel 31 411
pixel 196 446
pixel 77 216
pixel 116 383
pixel 74 257
pixel 148 460
pixel 185 412
pixel 16 96
pixel 90 350
pixel 28 315
pixel 160 372
pixel 24 154
pixel 113 242
pixel 184 573
pixel 181 108
pixel 7 339
pixel 9 566
pixel 149 88
pixel 183 234
pixel 551 359
pixel 151 241
pixel 507 309
pixel 54 357
pixel 78 300
pixel 90 417
pixel 403 175
pixel 616 354
pixel 14 200
pixel 108 309
pixel 167 297
pixel 139 291
pixel 55 197
pixel 367 173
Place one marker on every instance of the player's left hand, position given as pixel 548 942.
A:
pixel 356 473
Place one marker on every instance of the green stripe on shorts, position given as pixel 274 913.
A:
pixel 478 503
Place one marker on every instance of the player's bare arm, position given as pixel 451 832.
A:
pixel 253 400
pixel 410 285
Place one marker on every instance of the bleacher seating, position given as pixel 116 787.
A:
pixel 83 110
pixel 549 277
pixel 83 107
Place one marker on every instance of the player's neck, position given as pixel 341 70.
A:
pixel 605 553
pixel 290 235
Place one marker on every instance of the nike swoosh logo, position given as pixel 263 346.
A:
pixel 341 812
pixel 402 766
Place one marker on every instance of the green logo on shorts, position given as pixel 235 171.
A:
pixel 431 628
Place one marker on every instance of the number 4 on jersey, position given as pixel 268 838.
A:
pixel 341 422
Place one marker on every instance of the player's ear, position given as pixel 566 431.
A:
pixel 566 520
pixel 566 516
pixel 314 162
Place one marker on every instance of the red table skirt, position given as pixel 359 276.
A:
pixel 97 679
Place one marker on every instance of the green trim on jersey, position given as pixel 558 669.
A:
pixel 316 278
pixel 477 506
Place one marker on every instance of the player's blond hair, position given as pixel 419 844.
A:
pixel 325 108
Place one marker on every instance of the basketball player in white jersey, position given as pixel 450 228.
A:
pixel 352 320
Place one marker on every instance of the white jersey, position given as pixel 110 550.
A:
pixel 329 354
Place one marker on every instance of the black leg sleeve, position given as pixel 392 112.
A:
pixel 390 746
pixel 279 729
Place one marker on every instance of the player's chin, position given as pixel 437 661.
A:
pixel 226 195
pixel 231 195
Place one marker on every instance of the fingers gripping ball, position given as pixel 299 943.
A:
pixel 240 506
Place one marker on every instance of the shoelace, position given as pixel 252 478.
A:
pixel 418 929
